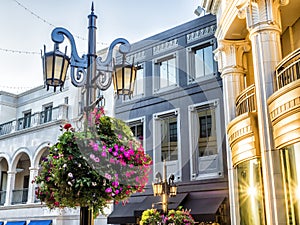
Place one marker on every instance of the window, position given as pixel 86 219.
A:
pixel 201 62
pixel 205 140
pixel 290 167
pixel 169 144
pixel 167 141
pixel 46 115
pixel 137 128
pixel 25 122
pixel 3 187
pixel 250 191
pixel 139 83
pixel 165 73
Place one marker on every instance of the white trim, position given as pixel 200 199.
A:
pixel 191 64
pixel 157 163
pixel 142 120
pixel 155 72
pixel 219 170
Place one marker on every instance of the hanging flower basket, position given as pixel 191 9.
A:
pixel 175 217
pixel 91 168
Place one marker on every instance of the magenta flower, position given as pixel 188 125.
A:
pixel 103 154
pixel 108 190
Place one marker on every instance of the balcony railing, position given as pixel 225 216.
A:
pixel 56 113
pixel 246 101
pixel 19 196
pixel 2 197
pixel 288 69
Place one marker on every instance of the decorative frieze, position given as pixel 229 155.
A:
pixel 199 34
pixel 163 47
pixel 136 57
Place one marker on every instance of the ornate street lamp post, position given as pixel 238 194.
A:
pixel 164 188
pixel 88 71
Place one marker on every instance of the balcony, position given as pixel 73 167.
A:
pixel 32 120
pixel 243 130
pixel 246 101
pixel 284 103
pixel 288 70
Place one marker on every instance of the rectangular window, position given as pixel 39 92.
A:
pixel 139 83
pixel 169 144
pixel 25 122
pixel 207 133
pixel 137 127
pixel 166 142
pixel 166 73
pixel 46 115
pixel 201 62
pixel 205 140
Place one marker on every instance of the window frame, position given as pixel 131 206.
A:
pixel 139 65
pixel 173 166
pixel 43 115
pixel 156 72
pixel 190 55
pixel 195 159
pixel 139 120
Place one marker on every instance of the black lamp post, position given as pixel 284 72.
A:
pixel 88 71
pixel 165 189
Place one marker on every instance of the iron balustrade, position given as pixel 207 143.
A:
pixel 246 101
pixel 30 120
pixel 2 197
pixel 288 70
pixel 19 196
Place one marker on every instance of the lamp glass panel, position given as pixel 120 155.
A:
pixel 127 75
pixel 173 190
pixel 58 69
pixel 133 78
pixel 65 69
pixel 119 76
pixel 48 68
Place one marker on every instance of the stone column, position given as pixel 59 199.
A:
pixel 11 176
pixel 263 23
pixel 31 187
pixel 233 69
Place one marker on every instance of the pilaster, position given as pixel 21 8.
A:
pixel 31 187
pixel 11 176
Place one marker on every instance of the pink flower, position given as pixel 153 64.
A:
pixel 108 190
pixel 94 145
pixel 103 154
pixel 96 159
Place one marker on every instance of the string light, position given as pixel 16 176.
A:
pixel 50 24
pixel 19 51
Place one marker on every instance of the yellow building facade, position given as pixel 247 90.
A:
pixel 259 59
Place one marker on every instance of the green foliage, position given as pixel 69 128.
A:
pixel 175 217
pixel 94 167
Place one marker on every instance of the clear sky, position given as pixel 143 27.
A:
pixel 26 25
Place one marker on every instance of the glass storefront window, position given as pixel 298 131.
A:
pixel 250 193
pixel 290 158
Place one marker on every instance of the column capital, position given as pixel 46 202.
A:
pixel 230 55
pixel 261 14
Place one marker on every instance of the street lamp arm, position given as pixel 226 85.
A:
pixel 58 37
pixel 106 65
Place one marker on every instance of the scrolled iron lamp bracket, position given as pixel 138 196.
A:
pixel 79 64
